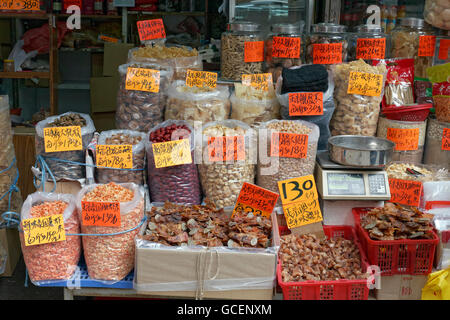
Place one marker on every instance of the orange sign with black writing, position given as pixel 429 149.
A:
pixel 102 214
pixel 444 47
pixel 255 199
pixel 32 5
pixel 327 53
pixel 446 139
pixel 230 148
pixel 286 47
pixel 305 103
pixel 254 51
pixel 370 48
pixel 151 29
pixel 426 46
pixel 406 192
pixel 289 145
pixel 68 3
pixel 404 139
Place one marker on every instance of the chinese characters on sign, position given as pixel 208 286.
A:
pixel 286 47
pixel 141 79
pixel 151 29
pixel 114 156
pixel 305 103
pixel 102 214
pixel 172 153
pixel 231 148
pixel 369 49
pixel 366 84
pixel 254 51
pixel 43 230
pixel 446 139
pixel 426 46
pixel 327 53
pixel 259 81
pixel 404 139
pixel 32 5
pixel 256 200
pixel 201 79
pixel 289 145
pixel 58 139
pixel 406 192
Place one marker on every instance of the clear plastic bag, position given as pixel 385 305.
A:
pixel 64 170
pixel 179 184
pixel 50 262
pixel 3 258
pixel 141 110
pixel 437 13
pixel 138 151
pixel 434 153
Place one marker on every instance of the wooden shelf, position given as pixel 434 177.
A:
pixel 24 75
pixel 39 16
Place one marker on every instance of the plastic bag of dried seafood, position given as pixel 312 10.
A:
pixel 141 110
pixel 222 174
pixel 124 137
pixel 441 222
pixel 180 183
pixel 64 170
pixel 50 262
pixel 109 251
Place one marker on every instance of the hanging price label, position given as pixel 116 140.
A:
pixel 256 200
pixel 172 153
pixel 426 46
pixel 369 49
pixel 58 139
pixel 366 84
pixel 446 139
pixel 32 5
pixel 405 192
pixel 305 103
pixel 444 47
pixel 226 148
pixel 42 230
pixel 141 79
pixel 327 53
pixel 151 29
pixel 259 81
pixel 201 79
pixel 101 214
pixel 68 3
pixel 114 156
pixel 254 51
pixel 286 47
pixel 404 139
pixel 289 145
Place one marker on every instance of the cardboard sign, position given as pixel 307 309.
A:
pixel 230 148
pixel 256 200
pixel 42 230
pixel 406 192
pixel 68 3
pixel 404 139
pixel 286 47
pixel 366 84
pixel 114 156
pixel 289 145
pixel 305 103
pixel 259 81
pixel 444 47
pixel 58 139
pixel 201 79
pixel 101 214
pixel 141 79
pixel 446 139
pixel 426 46
pixel 369 49
pixel 32 5
pixel 254 51
pixel 151 29
pixel 327 53
pixel 172 153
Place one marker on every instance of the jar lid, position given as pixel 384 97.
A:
pixel 244 26
pixel 286 28
pixel 412 22
pixel 328 27
pixel 369 28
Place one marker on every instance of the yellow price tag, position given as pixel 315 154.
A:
pixel 142 79
pixel 366 84
pixel 172 153
pixel 201 79
pixel 57 139
pixel 302 213
pixel 43 230
pixel 114 156
pixel 259 81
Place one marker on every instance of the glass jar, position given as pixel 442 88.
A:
pixel 283 48
pixel 413 38
pixel 8 65
pixel 442 49
pixel 368 42
pixel 242 50
pixel 327 44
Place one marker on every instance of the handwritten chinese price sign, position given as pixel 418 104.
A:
pixel 289 145
pixel 58 139
pixel 141 79
pixel 327 53
pixel 446 139
pixel 444 47
pixel 286 47
pixel 305 103
pixel 32 5
pixel 366 84
pixel 254 51
pixel 256 200
pixel 404 139
pixel 101 214
pixel 426 46
pixel 259 81
pixel 151 29
pixel 43 230
pixel 406 192
pixel 369 49
pixel 114 156
pixel 201 79
pixel 172 153
pixel 231 148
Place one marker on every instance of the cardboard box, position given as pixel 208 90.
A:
pixel 11 242
pixel 68 187
pixel 104 121
pixel 96 64
pixel 104 94
pixel 115 54
pixel 401 287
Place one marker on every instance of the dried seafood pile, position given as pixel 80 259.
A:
pixel 394 222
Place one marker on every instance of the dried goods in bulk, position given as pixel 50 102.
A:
pixel 437 13
pixel 399 170
pixel 58 260
pixel 438 75
pixel 434 153
pixel 111 257
pixel 442 107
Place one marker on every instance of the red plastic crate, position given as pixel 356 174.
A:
pixel 329 290
pixel 414 257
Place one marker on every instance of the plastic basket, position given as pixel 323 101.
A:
pixel 414 257
pixel 329 290
pixel 408 113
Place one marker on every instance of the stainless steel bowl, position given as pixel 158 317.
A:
pixel 360 151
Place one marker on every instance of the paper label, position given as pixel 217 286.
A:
pixel 259 81
pixel 406 192
pixel 302 213
pixel 446 139
pixel 369 49
pixel 114 156
pixel 58 139
pixel 426 46
pixel 32 5
pixel 230 148
pixel 254 51
pixel 366 84
pixel 141 79
pixel 108 39
pixel 172 153
pixel 286 47
pixel 444 46
pixel 305 103
pixel 68 3
pixel 256 200
pixel 151 29
pixel 43 230
pixel 327 53
pixel 201 79
pixel 101 214
pixel 289 145
pixel 404 139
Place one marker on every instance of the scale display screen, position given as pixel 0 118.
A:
pixel 345 184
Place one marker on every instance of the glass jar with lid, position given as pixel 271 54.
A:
pixel 242 50
pixel 327 44
pixel 414 38
pixel 283 48
pixel 368 42
pixel 442 48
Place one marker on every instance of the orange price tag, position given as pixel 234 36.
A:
pixel 404 139
pixel 289 145
pixel 286 47
pixel 102 214
pixel 426 46
pixel 366 84
pixel 68 3
pixel 141 79
pixel 305 103
pixel 32 5
pixel 108 39
pixel 444 46
pixel 151 29
pixel 446 139
pixel 254 51
pixel 230 148
pixel 327 53
pixel 255 199
pixel 406 192
pixel 369 49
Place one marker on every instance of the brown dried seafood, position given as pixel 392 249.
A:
pixel 306 258
pixel 393 222
pixel 71 119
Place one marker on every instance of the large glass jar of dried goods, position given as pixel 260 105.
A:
pixel 368 42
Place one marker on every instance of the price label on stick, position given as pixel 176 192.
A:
pixel 254 51
pixel 151 29
pixel 114 156
pixel 369 49
pixel 289 145
pixel 172 153
pixel 32 5
pixel 406 192
pixel 256 200
pixel 305 103
pixel 231 148
pixel 426 46
pixel 142 79
pixel 286 47
pixel 59 139
pixel 259 81
pixel 404 139
pixel 327 53
pixel 366 84
pixel 446 139
pixel 201 79
pixel 101 214
pixel 42 230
